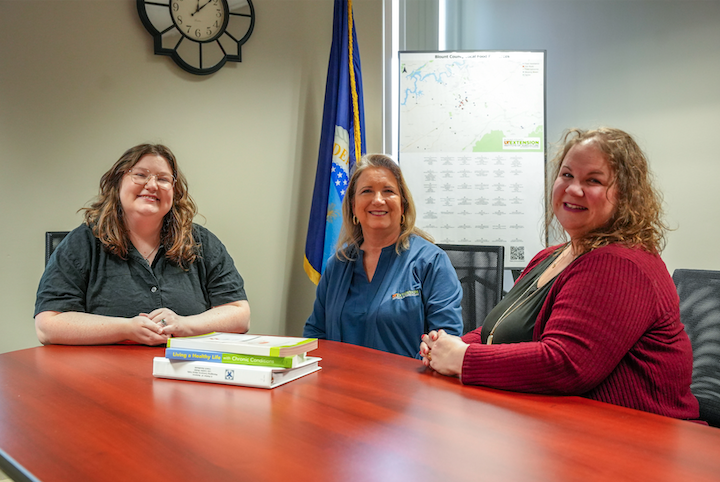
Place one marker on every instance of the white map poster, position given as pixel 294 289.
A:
pixel 472 147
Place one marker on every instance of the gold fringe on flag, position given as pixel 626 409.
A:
pixel 353 87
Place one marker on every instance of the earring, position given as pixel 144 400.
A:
pixel 355 220
pixel 402 220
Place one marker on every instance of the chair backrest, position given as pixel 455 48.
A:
pixel 699 292
pixel 52 239
pixel 480 271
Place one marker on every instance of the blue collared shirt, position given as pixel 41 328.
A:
pixel 410 294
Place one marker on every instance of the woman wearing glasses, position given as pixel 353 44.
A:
pixel 138 269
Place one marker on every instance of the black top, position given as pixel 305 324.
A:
pixel 515 315
pixel 82 277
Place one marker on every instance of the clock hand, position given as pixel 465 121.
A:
pixel 204 5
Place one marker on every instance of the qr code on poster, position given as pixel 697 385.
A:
pixel 517 253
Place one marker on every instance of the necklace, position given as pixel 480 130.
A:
pixel 525 296
pixel 147 258
pixel 516 304
pixel 561 256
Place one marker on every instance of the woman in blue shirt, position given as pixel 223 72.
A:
pixel 388 283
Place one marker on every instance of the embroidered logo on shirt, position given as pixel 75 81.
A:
pixel 399 296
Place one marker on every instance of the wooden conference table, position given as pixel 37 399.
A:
pixel 97 414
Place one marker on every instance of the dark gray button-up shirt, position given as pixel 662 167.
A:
pixel 81 276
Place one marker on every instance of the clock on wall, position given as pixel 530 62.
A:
pixel 199 35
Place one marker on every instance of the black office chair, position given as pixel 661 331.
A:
pixel 480 271
pixel 699 292
pixel 52 239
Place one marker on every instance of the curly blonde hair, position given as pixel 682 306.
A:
pixel 351 235
pixel 105 214
pixel 637 221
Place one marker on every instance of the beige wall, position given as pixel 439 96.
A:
pixel 79 84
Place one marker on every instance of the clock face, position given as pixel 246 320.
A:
pixel 199 35
pixel 199 20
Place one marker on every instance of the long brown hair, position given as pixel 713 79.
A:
pixel 351 236
pixel 637 221
pixel 105 214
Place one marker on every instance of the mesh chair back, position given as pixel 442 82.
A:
pixel 52 240
pixel 699 292
pixel 480 271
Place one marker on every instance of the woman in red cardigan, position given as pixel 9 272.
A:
pixel 597 316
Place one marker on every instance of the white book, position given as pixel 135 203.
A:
pixel 245 375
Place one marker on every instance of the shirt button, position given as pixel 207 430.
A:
pixel 153 289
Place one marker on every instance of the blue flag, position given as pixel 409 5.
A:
pixel 342 142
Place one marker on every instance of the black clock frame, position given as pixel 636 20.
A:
pixel 173 53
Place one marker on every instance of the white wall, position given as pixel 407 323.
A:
pixel 79 84
pixel 650 67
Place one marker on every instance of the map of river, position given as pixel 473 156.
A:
pixel 472 147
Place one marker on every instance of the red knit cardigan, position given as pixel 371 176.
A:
pixel 609 330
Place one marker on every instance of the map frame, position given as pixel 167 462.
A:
pixel 487 190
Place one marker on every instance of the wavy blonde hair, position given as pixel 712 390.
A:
pixel 351 235
pixel 105 214
pixel 637 221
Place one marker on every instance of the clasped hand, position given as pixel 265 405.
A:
pixel 443 353
pixel 156 327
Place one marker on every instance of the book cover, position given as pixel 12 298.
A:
pixel 275 346
pixel 244 375
pixel 234 358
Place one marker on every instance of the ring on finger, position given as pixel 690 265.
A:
pixel 163 322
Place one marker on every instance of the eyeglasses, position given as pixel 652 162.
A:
pixel 142 176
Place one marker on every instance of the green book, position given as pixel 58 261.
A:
pixel 262 345
pixel 234 358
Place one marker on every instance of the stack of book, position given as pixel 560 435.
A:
pixel 235 359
